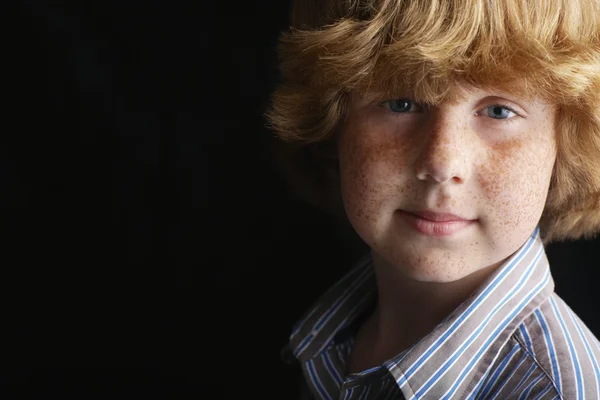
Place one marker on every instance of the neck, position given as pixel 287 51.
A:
pixel 408 309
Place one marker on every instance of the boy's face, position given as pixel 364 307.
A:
pixel 487 158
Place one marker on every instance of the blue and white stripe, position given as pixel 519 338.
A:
pixel 515 337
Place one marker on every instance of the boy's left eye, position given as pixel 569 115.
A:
pixel 500 112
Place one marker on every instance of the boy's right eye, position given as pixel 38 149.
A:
pixel 400 105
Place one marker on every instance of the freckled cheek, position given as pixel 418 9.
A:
pixel 515 187
pixel 371 174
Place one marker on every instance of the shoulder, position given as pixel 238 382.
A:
pixel 562 348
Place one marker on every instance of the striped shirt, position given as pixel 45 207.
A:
pixel 514 338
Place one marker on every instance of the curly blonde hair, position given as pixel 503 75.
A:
pixel 427 47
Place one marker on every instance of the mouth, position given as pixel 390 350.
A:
pixel 436 224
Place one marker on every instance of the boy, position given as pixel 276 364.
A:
pixel 467 136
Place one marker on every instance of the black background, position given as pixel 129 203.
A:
pixel 149 237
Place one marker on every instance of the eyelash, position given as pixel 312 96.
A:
pixel 383 104
pixel 503 120
pixel 507 107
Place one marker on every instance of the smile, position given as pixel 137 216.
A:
pixel 435 224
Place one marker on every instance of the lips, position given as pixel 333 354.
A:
pixel 438 217
pixel 435 224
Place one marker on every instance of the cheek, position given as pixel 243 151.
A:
pixel 514 182
pixel 372 161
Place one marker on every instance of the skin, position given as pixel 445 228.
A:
pixel 452 158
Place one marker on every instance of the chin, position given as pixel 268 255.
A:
pixel 428 264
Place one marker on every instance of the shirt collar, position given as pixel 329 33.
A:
pixel 486 319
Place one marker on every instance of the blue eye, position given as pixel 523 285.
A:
pixel 399 105
pixel 499 112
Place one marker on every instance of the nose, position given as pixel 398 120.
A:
pixel 444 150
